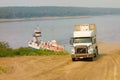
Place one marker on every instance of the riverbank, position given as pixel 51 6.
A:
pixel 42 18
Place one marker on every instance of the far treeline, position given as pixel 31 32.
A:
pixel 29 12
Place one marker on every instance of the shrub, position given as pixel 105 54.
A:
pixel 22 51
pixel 3 69
pixel 4 45
pixel 6 52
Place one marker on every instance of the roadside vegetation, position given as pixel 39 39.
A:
pixel 6 51
pixel 3 69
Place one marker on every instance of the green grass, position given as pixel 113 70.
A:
pixel 9 52
pixel 3 69
pixel 6 51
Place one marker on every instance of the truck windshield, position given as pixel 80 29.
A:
pixel 82 40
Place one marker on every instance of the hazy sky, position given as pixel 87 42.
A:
pixel 78 3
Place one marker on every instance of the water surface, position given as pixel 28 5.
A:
pixel 19 33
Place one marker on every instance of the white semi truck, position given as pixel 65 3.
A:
pixel 84 43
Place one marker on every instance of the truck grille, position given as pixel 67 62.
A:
pixel 80 50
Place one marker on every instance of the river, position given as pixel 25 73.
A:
pixel 18 33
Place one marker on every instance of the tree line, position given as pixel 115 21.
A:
pixel 46 11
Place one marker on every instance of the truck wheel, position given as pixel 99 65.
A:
pixel 91 59
pixel 96 50
pixel 73 59
pixel 95 54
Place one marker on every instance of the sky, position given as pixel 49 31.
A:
pixel 67 3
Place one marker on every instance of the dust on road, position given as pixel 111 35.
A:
pixel 105 67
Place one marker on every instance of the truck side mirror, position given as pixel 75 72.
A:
pixel 71 41
pixel 93 40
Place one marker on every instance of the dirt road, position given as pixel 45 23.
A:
pixel 105 67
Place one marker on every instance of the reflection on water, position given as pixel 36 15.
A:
pixel 19 33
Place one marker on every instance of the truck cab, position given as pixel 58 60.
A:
pixel 84 42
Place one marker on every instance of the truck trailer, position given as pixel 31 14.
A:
pixel 84 42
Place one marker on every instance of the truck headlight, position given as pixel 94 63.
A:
pixel 90 49
pixel 72 51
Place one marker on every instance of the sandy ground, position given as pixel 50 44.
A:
pixel 42 18
pixel 105 67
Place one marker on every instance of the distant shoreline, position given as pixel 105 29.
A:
pixel 42 18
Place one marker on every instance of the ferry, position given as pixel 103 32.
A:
pixel 50 45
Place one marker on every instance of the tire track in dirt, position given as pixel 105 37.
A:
pixel 106 67
pixel 115 57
